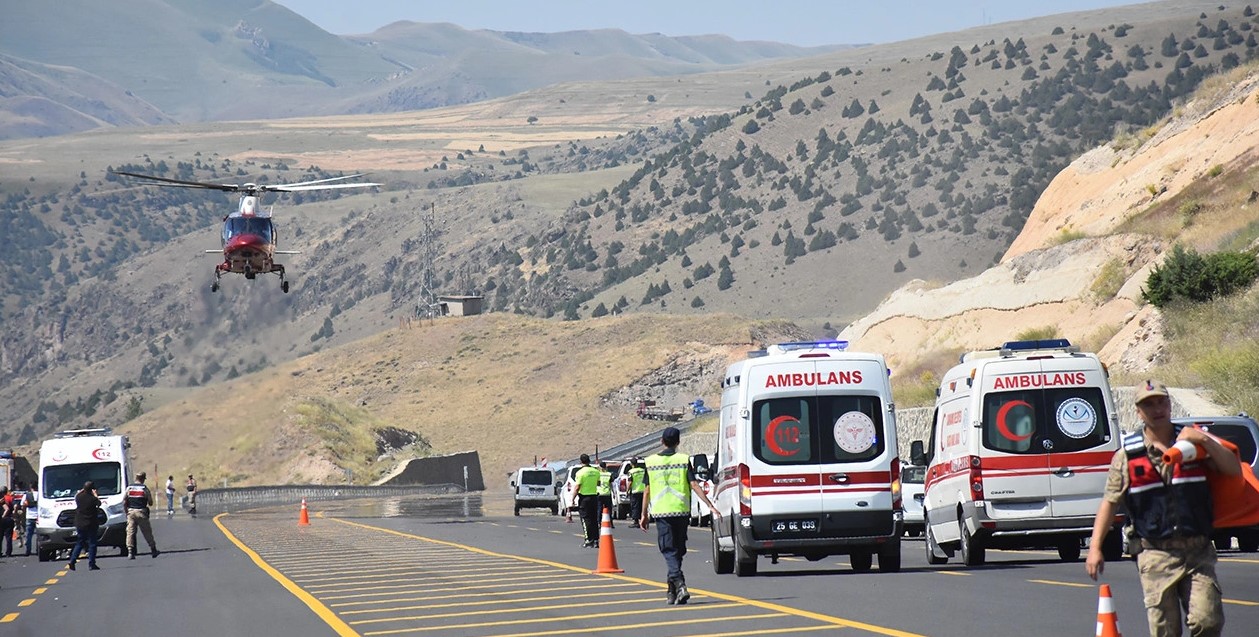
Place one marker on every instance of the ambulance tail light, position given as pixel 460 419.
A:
pixel 976 479
pixel 745 490
pixel 896 485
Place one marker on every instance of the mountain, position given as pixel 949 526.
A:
pixel 665 195
pixel 249 59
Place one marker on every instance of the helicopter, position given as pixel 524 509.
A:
pixel 249 236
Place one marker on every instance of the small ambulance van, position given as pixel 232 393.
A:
pixel 1018 453
pixel 806 460
pixel 68 460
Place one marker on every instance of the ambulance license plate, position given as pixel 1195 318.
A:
pixel 794 526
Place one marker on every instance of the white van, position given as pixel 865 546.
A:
pixel 535 488
pixel 1019 450
pixel 68 460
pixel 806 460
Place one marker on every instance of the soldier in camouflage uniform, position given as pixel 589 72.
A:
pixel 1169 506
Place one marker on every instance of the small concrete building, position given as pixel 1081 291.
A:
pixel 460 305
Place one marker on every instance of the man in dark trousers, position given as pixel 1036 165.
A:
pixel 137 504
pixel 86 525
pixel 670 481
pixel 637 475
pixel 587 479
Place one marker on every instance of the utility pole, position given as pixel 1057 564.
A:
pixel 426 306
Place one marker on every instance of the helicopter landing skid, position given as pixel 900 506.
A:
pixel 250 274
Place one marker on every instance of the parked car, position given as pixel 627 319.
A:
pixel 568 493
pixel 701 515
pixel 1243 431
pixel 912 478
pixel 534 488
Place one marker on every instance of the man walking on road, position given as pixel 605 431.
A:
pixel 86 525
pixel 1171 510
pixel 587 479
pixel 670 481
pixel 170 496
pixel 137 504
pixel 637 474
pixel 604 490
pixel 32 514
pixel 192 495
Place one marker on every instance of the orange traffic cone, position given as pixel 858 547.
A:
pixel 607 552
pixel 304 520
pixel 1107 620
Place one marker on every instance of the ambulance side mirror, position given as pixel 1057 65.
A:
pixel 513 483
pixel 700 465
pixel 916 454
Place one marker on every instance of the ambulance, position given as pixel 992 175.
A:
pixel 1020 445
pixel 806 461
pixel 66 461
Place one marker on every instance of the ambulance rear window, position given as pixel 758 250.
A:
pixel 535 477
pixel 1036 421
pixel 818 429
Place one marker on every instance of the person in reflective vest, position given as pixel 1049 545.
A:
pixel 605 490
pixel 1169 505
pixel 587 479
pixel 668 485
pixel 137 503
pixel 637 480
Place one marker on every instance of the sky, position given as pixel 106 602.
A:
pixel 799 22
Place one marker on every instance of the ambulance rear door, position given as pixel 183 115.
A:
pixel 856 442
pixel 1081 436
pixel 783 448
pixel 1014 456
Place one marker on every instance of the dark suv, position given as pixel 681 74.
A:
pixel 1243 431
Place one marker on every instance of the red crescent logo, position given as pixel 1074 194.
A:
pixel 1005 428
pixel 771 436
pixel 101 454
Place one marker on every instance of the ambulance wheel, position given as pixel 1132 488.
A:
pixel 45 555
pixel 723 561
pixel 1223 543
pixel 861 560
pixel 744 562
pixel 284 287
pixel 972 547
pixel 122 551
pixel 555 509
pixel 890 557
pixel 932 547
pixel 1069 550
pixel 1112 546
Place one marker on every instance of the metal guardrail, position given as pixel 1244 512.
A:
pixel 214 501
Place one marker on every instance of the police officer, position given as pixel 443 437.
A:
pixel 587 479
pixel 637 475
pixel 604 490
pixel 1170 509
pixel 137 504
pixel 670 481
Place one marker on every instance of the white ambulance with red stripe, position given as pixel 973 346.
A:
pixel 806 460
pixel 1018 453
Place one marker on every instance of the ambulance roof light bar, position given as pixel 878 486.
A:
pixel 835 345
pixel 80 433
pixel 1011 348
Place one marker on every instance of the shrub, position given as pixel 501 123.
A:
pixel 1196 278
pixel 1044 332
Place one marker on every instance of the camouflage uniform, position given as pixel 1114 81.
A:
pixel 1174 571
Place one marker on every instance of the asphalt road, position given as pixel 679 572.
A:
pixel 463 565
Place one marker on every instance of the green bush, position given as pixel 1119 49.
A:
pixel 1197 278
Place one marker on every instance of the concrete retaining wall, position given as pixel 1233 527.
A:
pixel 441 470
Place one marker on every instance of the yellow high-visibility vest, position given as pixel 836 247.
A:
pixel 670 489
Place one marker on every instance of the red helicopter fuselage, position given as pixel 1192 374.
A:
pixel 249 240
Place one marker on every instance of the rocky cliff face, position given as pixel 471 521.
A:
pixel 1080 262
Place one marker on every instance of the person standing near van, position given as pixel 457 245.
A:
pixel 587 478
pixel 32 514
pixel 170 496
pixel 192 494
pixel 637 476
pixel 1170 509
pixel 669 483
pixel 137 504
pixel 7 510
pixel 86 525
pixel 604 490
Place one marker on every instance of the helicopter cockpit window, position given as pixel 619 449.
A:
pixel 260 227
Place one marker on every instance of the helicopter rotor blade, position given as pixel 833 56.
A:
pixel 295 188
pixel 180 183
pixel 317 181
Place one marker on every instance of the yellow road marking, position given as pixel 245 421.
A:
pixel 1057 583
pixel 40 590
pixel 471 572
pixel 601 585
pixel 777 608
pixel 536 620
pixel 498 611
pixel 26 602
pixel 632 627
pixel 63 572
pixel 330 618
pixel 489 583
pixel 487 601
pixel 954 573
pixel 1240 602
pixel 1239 560
pixel 51 581
pixel 8 618
pixel 476 574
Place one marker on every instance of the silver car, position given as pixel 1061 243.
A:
pixel 911 497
